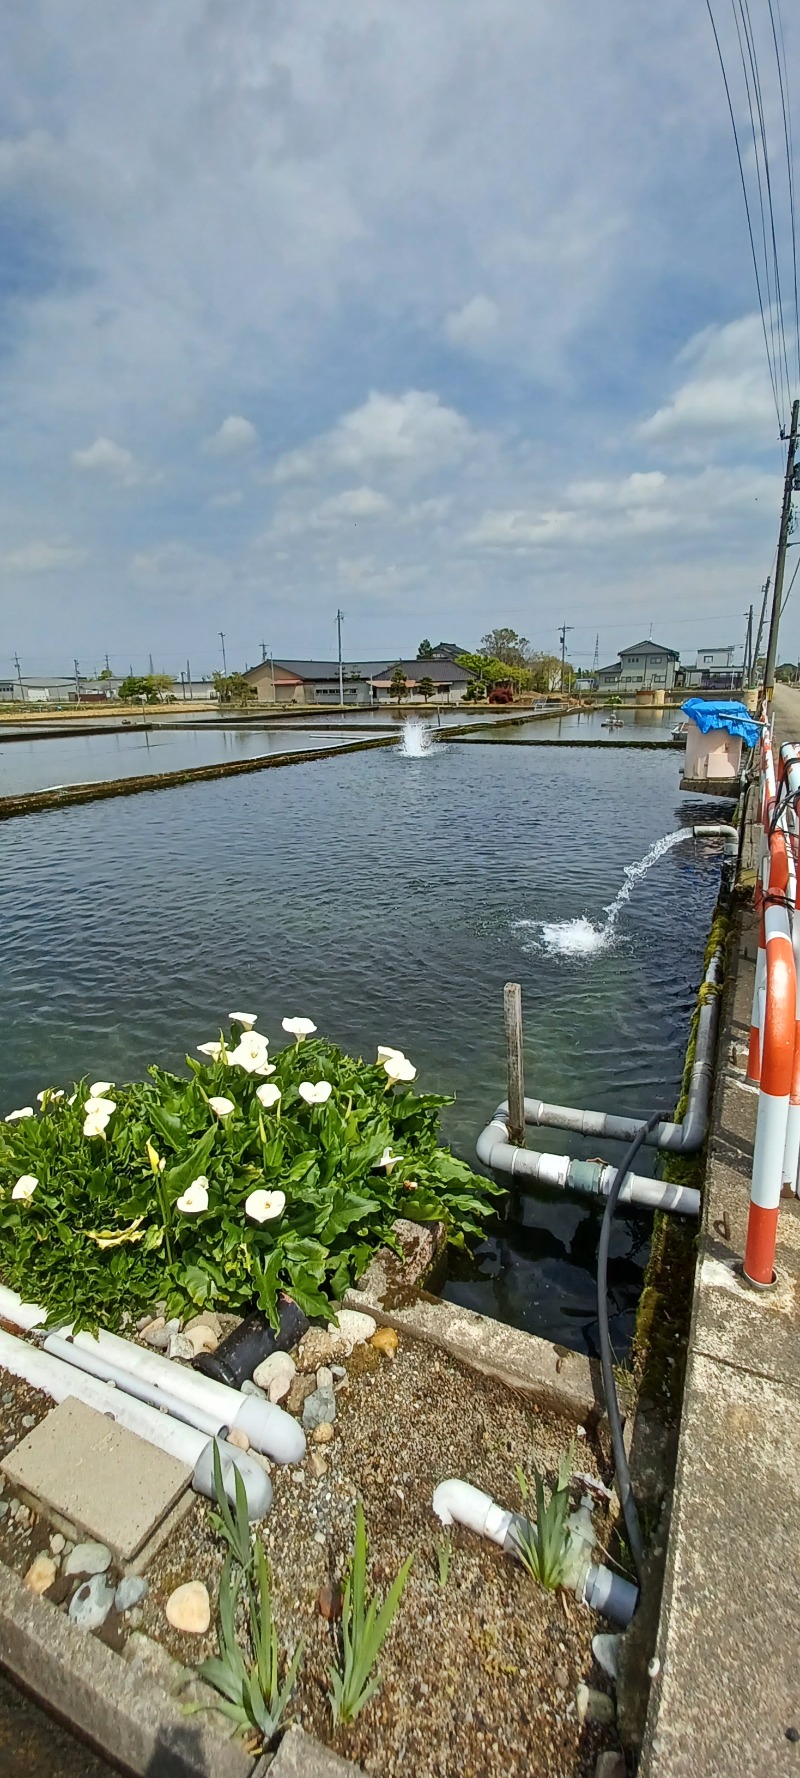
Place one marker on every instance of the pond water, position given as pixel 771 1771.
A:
pixel 588 725
pixel 389 899
pixel 43 764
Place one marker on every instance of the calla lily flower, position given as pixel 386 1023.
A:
pixel 95 1124
pixel 100 1087
pixel 25 1187
pixel 222 1107
pixel 398 1067
pixel 246 1019
pixel 262 1206
pixel 24 1111
pixel 298 1028
pixel 250 1052
pixel 48 1093
pixel 195 1198
pixel 387 1160
pixel 386 1053
pixel 315 1093
pixel 153 1158
pixel 214 1050
pixel 264 1068
pixel 268 1095
pixel 99 1107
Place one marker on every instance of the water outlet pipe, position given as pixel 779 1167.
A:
pixel 459 1503
pixel 269 1428
pixel 592 1178
pixel 191 1447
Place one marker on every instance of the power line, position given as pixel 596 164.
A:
pixel 786 110
pixel 774 303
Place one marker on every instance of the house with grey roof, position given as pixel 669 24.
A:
pixel 645 666
pixel 365 683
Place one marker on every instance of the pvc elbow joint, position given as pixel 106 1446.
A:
pixel 458 1503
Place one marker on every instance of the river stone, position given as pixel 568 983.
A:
pixel 57 1543
pixel 385 1340
pixel 318 1464
pixel 610 1764
pixel 319 1406
pixel 206 1318
pixel 593 1706
pixel 315 1349
pixel 88 1558
pixel 251 1388
pixel 322 1434
pixel 200 1338
pixel 324 1377
pixel 90 1606
pixel 278 1364
pixel 354 1329
pixel 152 1331
pixel 606 1649
pixel 41 1574
pixel 238 1438
pixel 180 1347
pixel 189 1608
pixel 131 1591
pixel 279 1387
pixel 299 1389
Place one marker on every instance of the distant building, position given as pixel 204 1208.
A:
pixel 449 681
pixel 713 669
pixel 645 666
pixel 365 683
pixel 447 651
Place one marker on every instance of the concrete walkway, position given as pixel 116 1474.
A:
pixel 728 1686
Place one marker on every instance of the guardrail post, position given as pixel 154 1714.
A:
pixel 512 1016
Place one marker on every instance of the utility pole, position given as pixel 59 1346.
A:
pixel 563 634
pixel 263 651
pixel 748 646
pixel 760 630
pixel 339 616
pixel 77 682
pixel 152 669
pixel 596 661
pixel 224 662
pixel 189 681
pixel 108 668
pixel 19 675
pixel 780 561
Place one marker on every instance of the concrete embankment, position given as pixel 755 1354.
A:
pixel 726 1695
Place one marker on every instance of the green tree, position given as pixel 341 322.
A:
pixel 233 688
pixel 399 684
pixel 507 646
pixel 545 671
pixel 106 674
pixel 152 687
pixel 427 687
pixel 492 671
pixel 425 650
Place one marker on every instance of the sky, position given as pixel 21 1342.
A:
pixel 440 315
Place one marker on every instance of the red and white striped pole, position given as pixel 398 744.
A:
pixel 777 1066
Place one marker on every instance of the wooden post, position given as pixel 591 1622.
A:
pixel 512 1014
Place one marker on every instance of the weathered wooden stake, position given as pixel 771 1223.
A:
pixel 512 1014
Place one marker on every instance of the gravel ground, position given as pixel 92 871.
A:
pixel 479 1675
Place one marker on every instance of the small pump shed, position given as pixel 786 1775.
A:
pixel 716 735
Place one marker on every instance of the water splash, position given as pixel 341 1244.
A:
pixel 581 938
pixel 415 740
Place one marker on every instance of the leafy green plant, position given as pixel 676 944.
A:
pixel 251 1694
pixel 202 1192
pixel 365 1626
pixel 543 1541
pixel 444 1556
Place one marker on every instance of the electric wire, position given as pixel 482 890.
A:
pixel 624 1488
pixel 751 235
pixel 783 363
pixel 786 111
pixel 789 588
pixel 753 90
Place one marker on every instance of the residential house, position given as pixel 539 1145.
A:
pixel 714 669
pixel 646 666
pixel 449 681
pixel 312 682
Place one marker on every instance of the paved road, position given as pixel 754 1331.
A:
pixel 33 1746
pixel 786 706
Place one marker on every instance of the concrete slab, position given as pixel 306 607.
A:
pixel 302 1756
pixel 728 1686
pixel 82 1468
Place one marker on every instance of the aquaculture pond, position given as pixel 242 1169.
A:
pixel 42 763
pixel 388 898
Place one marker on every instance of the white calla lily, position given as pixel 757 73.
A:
pixel 99 1087
pixel 263 1069
pixel 315 1092
pixel 250 1052
pixel 399 1068
pixel 25 1186
pixel 222 1107
pixel 268 1095
pixel 24 1111
pixel 99 1107
pixel 195 1198
pixel 95 1124
pixel 263 1206
pixel 214 1050
pixel 387 1160
pixel 246 1019
pixel 298 1028
pixel 386 1053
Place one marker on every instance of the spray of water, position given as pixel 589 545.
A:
pixel 415 740
pixel 581 938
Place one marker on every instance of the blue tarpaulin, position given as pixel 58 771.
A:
pixel 725 713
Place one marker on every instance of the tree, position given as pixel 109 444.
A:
pixel 399 684
pixel 507 646
pixel 492 671
pixel 425 650
pixel 106 674
pixel 233 688
pixel 427 688
pixel 545 671
pixel 152 687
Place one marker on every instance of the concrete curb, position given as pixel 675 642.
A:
pixel 115 1704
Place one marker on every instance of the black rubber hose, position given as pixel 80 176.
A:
pixel 624 1488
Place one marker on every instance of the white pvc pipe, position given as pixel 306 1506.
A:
pixel 593 1177
pixel 269 1428
pixel 188 1445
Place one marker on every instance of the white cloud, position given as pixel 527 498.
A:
pixel 41 558
pixel 473 327
pixel 630 509
pixel 351 505
pixel 414 432
pixel 234 435
pixel 106 458
pixel 726 393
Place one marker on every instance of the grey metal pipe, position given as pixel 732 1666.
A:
pixel 686 1137
pixel 592 1178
